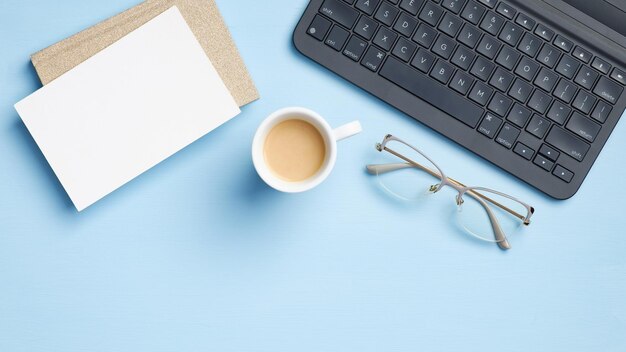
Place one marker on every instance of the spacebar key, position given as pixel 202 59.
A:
pixel 432 92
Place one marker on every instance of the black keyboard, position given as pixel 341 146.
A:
pixel 484 73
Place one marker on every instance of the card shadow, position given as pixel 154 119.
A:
pixel 25 141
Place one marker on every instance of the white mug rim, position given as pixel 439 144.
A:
pixel 258 144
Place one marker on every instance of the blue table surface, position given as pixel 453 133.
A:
pixel 199 255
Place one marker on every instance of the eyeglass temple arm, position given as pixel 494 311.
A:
pixel 385 168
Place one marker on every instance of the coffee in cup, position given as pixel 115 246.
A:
pixel 295 149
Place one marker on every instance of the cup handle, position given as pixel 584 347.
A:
pixel 347 130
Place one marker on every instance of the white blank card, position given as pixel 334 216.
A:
pixel 127 108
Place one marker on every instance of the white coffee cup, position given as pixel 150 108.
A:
pixel 330 136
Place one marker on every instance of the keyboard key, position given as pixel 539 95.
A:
pixel 506 10
pixel 340 12
pixel 490 125
pixel 563 173
pixel 433 93
pixel 619 76
pixel 492 23
pixel 544 32
pixel 549 55
pixel 524 151
pixel 500 104
pixel 519 115
pixel 405 24
pixel 511 34
pixel 563 43
pixel 482 68
pixel 586 77
pixel 568 66
pixel 538 126
pixel 461 82
pixel 559 112
pixel 442 71
pixel 582 54
pixel 520 90
pixel 507 136
pixel 469 35
pixel 584 102
pixel 501 80
pixel 565 90
pixel 539 102
pixel 431 14
pixel 337 38
pixel 601 112
pixel 608 90
pixel 450 25
pixel 529 45
pixel 367 6
pixel 355 48
pixel 423 61
pixel 481 93
pixel 444 47
pixel 583 127
pixel 601 65
pixel 489 3
pixel 453 5
pixel 425 36
pixel 527 69
pixel 546 79
pixel 489 47
pixel 473 12
pixel 319 27
pixel 386 13
pixel 548 152
pixel 525 21
pixel 385 38
pixel 404 49
pixel 463 57
pixel 567 143
pixel 411 6
pixel 507 58
pixel 366 27
pixel 373 58
pixel 543 163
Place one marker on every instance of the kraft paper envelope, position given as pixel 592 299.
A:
pixel 127 108
pixel 202 16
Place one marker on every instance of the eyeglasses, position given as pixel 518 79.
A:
pixel 484 213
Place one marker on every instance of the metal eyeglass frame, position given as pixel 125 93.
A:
pixel 462 190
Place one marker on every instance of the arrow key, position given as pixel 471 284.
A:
pixel 563 173
pixel 543 163
pixel 524 151
pixel 549 153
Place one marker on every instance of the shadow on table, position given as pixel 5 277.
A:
pixel 26 142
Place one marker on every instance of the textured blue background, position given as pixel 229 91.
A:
pixel 198 255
